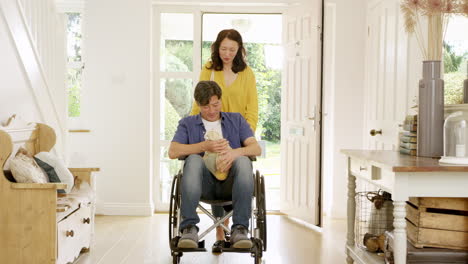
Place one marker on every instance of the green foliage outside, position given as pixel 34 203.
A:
pixel 74 37
pixel 452 61
pixel 74 92
pixel 269 92
pixel 179 57
pixel 455 73
pixel 206 51
pixel 179 92
pixel 171 120
pixel 453 87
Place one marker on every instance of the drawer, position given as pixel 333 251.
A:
pixel 382 178
pixel 74 234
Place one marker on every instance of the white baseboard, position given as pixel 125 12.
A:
pixel 139 209
pixel 305 224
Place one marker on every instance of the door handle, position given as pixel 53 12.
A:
pixel 374 132
pixel 314 114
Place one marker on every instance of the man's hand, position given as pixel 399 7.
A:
pixel 216 146
pixel 226 158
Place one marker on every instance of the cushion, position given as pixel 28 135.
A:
pixel 60 169
pixel 25 170
pixel 50 172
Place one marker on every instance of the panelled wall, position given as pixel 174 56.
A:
pixel 393 68
pixel 34 38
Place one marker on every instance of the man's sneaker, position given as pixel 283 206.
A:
pixel 189 238
pixel 240 238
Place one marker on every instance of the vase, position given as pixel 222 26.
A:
pixel 431 111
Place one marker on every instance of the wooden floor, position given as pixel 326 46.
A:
pixel 135 240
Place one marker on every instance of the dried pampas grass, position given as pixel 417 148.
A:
pixel 436 13
pixel 464 8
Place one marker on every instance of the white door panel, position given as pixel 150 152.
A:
pixel 300 112
pixel 390 82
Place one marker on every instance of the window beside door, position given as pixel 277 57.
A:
pixel 74 63
pixel 455 57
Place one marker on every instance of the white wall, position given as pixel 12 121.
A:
pixel 117 57
pixel 347 105
pixel 15 94
pixel 116 103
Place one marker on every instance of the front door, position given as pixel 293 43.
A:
pixel 301 111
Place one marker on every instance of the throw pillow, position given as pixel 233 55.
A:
pixel 25 170
pixel 50 171
pixel 61 170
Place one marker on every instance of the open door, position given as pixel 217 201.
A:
pixel 301 112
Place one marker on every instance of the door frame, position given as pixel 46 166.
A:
pixel 197 11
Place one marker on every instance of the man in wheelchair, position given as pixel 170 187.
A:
pixel 237 143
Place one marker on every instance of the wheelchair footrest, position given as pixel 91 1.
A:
pixel 226 247
pixel 175 241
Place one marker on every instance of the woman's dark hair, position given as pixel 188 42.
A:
pixel 238 64
pixel 205 90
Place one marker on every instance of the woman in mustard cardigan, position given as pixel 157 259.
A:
pixel 230 71
pixel 237 80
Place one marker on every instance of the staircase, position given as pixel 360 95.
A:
pixel 38 33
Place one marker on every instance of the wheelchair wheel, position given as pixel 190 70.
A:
pixel 257 251
pixel 174 207
pixel 261 208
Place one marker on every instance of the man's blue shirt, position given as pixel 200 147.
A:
pixel 235 129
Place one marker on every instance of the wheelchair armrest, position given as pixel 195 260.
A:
pixel 252 158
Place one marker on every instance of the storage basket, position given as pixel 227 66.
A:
pixel 374 216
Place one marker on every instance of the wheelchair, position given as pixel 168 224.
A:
pixel 257 230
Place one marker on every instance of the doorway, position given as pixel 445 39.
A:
pixel 183 41
pixel 265 57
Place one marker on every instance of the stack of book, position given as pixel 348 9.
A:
pixel 408 138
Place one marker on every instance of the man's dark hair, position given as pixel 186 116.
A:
pixel 238 64
pixel 205 90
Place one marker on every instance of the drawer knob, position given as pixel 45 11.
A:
pixel 70 233
pixel 362 168
pixel 374 132
pixel 86 220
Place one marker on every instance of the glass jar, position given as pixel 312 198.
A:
pixel 455 139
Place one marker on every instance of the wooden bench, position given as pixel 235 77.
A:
pixel 36 224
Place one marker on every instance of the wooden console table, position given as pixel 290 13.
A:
pixel 403 176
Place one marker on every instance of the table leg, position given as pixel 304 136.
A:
pixel 351 214
pixel 399 224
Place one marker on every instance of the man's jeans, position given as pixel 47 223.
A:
pixel 198 182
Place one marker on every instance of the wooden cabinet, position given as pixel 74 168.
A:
pixel 74 234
